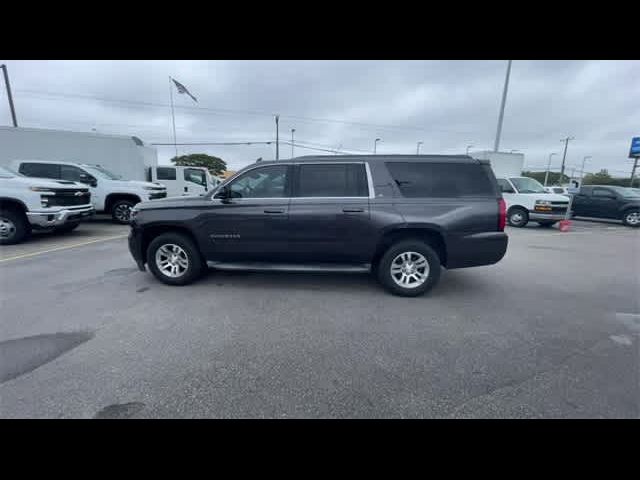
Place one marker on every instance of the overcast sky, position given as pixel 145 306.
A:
pixel 445 104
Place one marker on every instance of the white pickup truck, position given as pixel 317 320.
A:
pixel 527 199
pixel 28 204
pixel 109 193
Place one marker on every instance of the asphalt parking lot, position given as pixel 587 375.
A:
pixel 549 332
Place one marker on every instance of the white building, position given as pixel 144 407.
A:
pixel 123 155
pixel 503 164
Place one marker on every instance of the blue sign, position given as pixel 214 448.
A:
pixel 635 147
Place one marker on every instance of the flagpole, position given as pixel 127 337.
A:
pixel 173 117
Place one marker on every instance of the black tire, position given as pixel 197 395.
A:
pixel 67 228
pixel 547 223
pixel 384 268
pixel 194 260
pixel 518 217
pixel 121 211
pixel 631 218
pixel 14 227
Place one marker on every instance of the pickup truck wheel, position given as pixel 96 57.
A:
pixel 631 218
pixel 121 211
pixel 409 268
pixel 14 227
pixel 174 259
pixel 518 217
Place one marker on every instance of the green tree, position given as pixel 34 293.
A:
pixel 215 165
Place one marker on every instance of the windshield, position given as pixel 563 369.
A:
pixel 102 172
pixel 527 185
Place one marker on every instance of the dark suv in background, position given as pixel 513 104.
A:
pixel 607 201
pixel 399 217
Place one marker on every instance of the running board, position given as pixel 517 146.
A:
pixel 291 267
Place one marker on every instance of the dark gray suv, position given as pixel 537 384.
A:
pixel 400 217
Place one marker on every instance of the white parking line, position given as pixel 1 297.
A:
pixel 65 247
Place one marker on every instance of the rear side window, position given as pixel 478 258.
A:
pixel 166 173
pixel 44 170
pixel 440 179
pixel 332 180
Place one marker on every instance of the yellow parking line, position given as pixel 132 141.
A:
pixel 61 248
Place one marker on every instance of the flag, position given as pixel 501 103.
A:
pixel 182 89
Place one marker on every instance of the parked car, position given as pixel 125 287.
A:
pixel 182 181
pixel 527 199
pixel 109 193
pixel 28 204
pixel 399 217
pixel 606 201
pixel 558 189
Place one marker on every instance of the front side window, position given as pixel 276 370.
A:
pixel 424 180
pixel 71 173
pixel 332 180
pixel 265 182
pixel 166 173
pixel 195 176
pixel 603 192
pixel 42 170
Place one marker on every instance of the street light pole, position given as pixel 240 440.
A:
pixel 468 147
pixel 418 148
pixel 496 145
pixel 9 96
pixel 582 170
pixel 546 175
pixel 292 132
pixel 277 138
pixel 375 145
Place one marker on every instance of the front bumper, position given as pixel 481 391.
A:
pixel 48 219
pixel 546 216
pixel 135 247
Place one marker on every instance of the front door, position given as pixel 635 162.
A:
pixel 604 203
pixel 251 224
pixel 195 181
pixel 329 213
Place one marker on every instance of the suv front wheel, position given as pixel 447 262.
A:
pixel 409 268
pixel 174 259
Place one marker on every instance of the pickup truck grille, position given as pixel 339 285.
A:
pixel 67 197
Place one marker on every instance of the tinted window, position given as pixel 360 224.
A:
pixel 440 179
pixel 603 192
pixel 44 170
pixel 265 182
pixel 332 180
pixel 69 172
pixel 196 176
pixel 505 186
pixel 166 173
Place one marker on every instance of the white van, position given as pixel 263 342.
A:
pixel 527 199
pixel 181 181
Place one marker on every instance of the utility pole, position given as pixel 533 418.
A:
pixel 292 132
pixel 277 138
pixel 633 172
pixel 173 116
pixel 564 156
pixel 496 145
pixel 8 86
pixel 468 147
pixel 418 148
pixel 582 170
pixel 546 175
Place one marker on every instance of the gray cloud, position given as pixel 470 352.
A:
pixel 445 104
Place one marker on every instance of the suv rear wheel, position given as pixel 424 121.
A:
pixel 631 218
pixel 174 259
pixel 14 227
pixel 409 268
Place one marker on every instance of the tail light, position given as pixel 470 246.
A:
pixel 502 219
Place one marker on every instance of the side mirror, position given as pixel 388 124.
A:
pixel 223 193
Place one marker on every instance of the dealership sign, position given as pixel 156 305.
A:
pixel 635 148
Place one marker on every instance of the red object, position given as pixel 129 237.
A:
pixel 502 205
pixel 564 225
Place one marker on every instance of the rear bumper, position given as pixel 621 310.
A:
pixel 135 247
pixel 476 249
pixel 48 219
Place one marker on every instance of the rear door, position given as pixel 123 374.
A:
pixel 329 216
pixel 581 205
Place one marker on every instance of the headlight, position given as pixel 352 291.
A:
pixel 41 189
pixel 545 203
